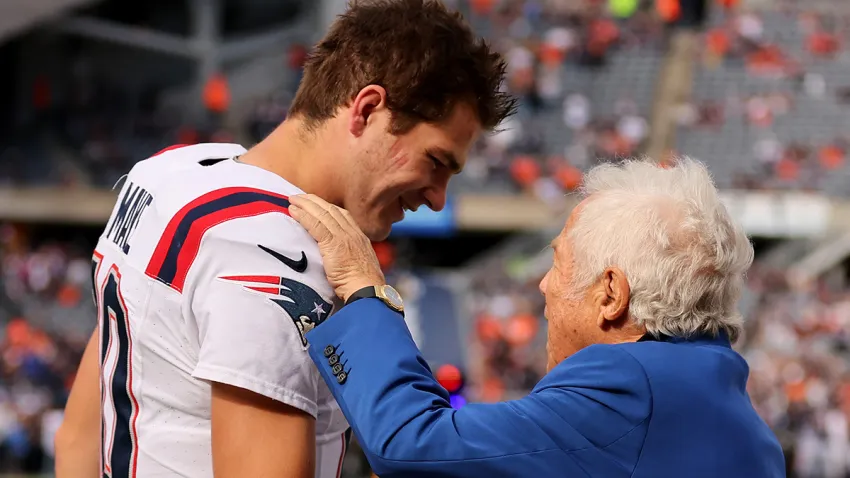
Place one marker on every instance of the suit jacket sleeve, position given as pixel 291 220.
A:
pixel 403 420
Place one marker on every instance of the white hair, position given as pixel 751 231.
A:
pixel 667 230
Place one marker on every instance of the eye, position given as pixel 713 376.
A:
pixel 437 162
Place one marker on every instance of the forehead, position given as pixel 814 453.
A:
pixel 456 133
pixel 571 221
pixel 574 215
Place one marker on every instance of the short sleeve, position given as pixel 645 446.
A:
pixel 255 288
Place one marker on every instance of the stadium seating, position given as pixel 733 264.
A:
pixel 776 115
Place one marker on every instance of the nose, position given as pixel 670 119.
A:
pixel 435 197
pixel 543 282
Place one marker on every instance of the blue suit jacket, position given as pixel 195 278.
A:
pixel 651 409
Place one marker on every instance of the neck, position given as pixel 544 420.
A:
pixel 623 332
pixel 303 159
pixel 629 338
pixel 631 333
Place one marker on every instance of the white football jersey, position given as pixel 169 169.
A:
pixel 201 276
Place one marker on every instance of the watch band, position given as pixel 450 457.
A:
pixel 374 292
pixel 364 293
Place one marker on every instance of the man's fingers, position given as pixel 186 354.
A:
pixel 312 225
pixel 310 204
pixel 306 216
pixel 342 216
pixel 304 202
pixel 335 218
pixel 335 212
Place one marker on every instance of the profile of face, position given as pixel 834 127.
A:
pixel 388 174
pixel 579 318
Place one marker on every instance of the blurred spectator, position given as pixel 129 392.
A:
pixel 46 316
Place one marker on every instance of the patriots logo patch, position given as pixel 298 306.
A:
pixel 305 306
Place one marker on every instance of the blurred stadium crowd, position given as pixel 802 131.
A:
pixel 769 100
pixel 768 110
pixel 47 315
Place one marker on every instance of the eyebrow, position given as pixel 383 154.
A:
pixel 448 157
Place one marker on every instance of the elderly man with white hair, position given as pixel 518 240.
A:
pixel 642 379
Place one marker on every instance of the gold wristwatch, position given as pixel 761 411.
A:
pixel 385 293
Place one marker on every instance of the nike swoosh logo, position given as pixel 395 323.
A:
pixel 298 266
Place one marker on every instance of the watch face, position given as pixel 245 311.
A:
pixel 393 297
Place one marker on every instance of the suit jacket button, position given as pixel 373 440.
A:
pixel 329 350
pixel 333 359
pixel 337 369
pixel 341 378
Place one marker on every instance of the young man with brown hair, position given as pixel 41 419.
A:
pixel 205 286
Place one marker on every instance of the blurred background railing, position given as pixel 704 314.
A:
pixel 758 89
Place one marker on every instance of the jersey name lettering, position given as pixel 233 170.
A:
pixel 134 202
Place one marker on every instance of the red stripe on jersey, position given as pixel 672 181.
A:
pixel 97 258
pixel 192 244
pixel 266 290
pixel 135 415
pixel 259 279
pixel 170 148
pixel 207 221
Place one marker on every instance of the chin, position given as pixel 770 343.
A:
pixel 378 237
pixel 378 233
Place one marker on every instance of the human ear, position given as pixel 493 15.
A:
pixel 370 99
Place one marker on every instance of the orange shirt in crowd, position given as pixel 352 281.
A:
pixel 525 170
pixel 796 391
pixel 787 169
pixel 550 54
pixel 822 44
pixel 717 41
pixel 568 176
pixel 668 10
pixel 767 59
pixel 488 328
pixel 482 7
pixel 831 157
pixel 217 94
pixel 521 329
pixel 68 295
pixel 18 332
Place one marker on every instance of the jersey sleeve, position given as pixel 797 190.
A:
pixel 256 287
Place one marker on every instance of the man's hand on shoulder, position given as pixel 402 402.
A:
pixel 349 259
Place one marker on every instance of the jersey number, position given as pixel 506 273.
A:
pixel 119 407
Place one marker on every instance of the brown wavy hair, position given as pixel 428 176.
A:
pixel 424 56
